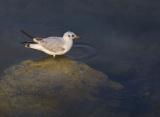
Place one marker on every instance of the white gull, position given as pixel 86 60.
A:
pixel 53 45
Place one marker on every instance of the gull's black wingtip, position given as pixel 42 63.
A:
pixel 23 42
pixel 30 42
pixel 27 43
pixel 27 34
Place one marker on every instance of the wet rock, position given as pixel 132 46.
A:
pixel 58 87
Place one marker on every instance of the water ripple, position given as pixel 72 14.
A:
pixel 83 51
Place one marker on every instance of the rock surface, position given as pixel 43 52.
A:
pixel 55 88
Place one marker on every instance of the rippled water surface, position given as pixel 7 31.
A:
pixel 119 38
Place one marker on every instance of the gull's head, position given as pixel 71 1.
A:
pixel 70 35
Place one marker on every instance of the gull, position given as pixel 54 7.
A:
pixel 52 45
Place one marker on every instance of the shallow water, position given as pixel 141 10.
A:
pixel 119 38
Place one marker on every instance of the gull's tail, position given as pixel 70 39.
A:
pixel 33 45
pixel 27 43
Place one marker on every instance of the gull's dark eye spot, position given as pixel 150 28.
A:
pixel 68 35
pixel 72 35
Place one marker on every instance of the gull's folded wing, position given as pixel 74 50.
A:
pixel 54 44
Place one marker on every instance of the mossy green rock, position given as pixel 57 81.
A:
pixel 54 88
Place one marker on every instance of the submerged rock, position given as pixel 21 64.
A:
pixel 55 87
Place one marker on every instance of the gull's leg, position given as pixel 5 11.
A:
pixel 54 56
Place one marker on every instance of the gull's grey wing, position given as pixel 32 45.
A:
pixel 54 44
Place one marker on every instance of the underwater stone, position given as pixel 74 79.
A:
pixel 58 87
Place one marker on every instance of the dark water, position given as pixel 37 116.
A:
pixel 119 38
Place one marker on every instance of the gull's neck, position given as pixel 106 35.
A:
pixel 66 38
pixel 68 43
